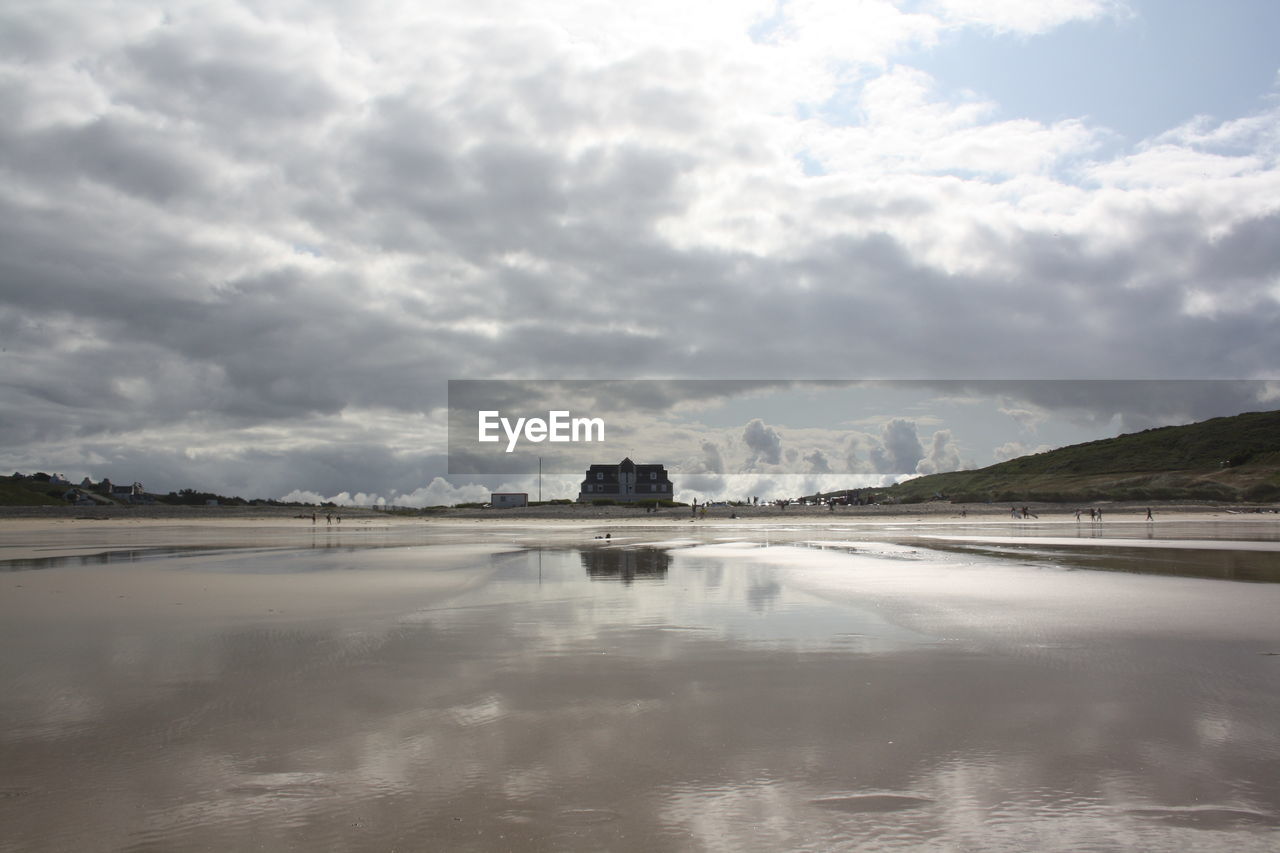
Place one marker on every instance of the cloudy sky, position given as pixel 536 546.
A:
pixel 243 246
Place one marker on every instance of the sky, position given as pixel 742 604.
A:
pixel 245 245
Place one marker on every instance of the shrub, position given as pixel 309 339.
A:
pixel 1263 493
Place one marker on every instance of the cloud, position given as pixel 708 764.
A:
pixel 273 232
pixel 712 463
pixel 943 455
pixel 899 451
pixel 1014 449
pixel 1023 18
pixel 817 462
pixel 763 443
pixel 341 499
pixel 1027 418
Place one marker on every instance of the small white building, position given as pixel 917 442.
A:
pixel 507 500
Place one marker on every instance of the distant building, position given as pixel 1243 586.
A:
pixel 507 500
pixel 133 494
pixel 626 481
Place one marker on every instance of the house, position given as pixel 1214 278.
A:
pixel 133 494
pixel 626 481
pixel 506 500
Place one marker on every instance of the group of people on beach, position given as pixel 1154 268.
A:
pixel 328 518
pixel 1095 515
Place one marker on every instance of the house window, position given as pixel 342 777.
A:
pixel 653 475
pixel 599 475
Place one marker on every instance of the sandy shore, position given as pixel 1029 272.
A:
pixel 49 532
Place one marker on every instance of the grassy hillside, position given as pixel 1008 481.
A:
pixel 30 493
pixel 1226 459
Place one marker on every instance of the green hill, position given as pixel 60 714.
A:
pixel 1223 459
pixel 26 492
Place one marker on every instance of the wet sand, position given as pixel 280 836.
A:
pixel 34 532
pixel 727 685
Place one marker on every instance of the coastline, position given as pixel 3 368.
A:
pixel 570 512
pixel 52 533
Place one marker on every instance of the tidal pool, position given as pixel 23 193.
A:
pixel 827 693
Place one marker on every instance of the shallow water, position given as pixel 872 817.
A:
pixel 824 694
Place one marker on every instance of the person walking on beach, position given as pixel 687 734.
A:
pixel 1149 516
pixel 1077 515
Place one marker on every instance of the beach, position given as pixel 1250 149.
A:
pixel 500 680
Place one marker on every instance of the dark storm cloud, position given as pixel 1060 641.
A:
pixel 119 153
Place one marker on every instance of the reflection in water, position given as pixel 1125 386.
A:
pixel 773 699
pixel 1230 565
pixel 873 803
pixel 116 556
pixel 101 558
pixel 626 564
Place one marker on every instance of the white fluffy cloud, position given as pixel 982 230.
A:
pixel 899 451
pixel 943 455
pixel 1014 449
pixel 763 443
pixel 1022 17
